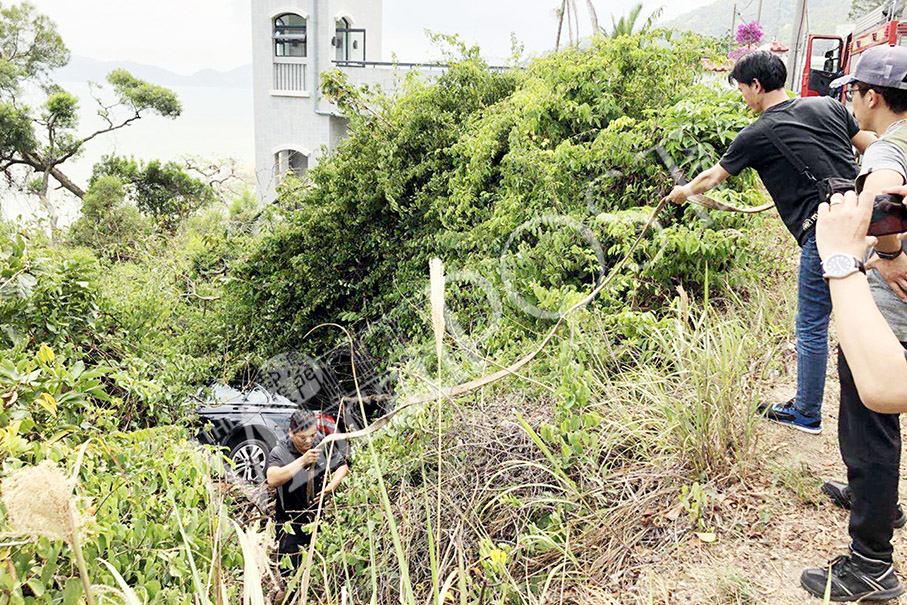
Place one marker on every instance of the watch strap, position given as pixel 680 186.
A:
pixel 890 255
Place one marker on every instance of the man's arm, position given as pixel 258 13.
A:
pixel 872 350
pixel 708 179
pixel 894 272
pixel 336 478
pixel 862 140
pixel 278 475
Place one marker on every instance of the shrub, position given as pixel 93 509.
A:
pixel 110 226
pixel 458 167
pixel 164 191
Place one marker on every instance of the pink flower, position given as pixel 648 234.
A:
pixel 749 34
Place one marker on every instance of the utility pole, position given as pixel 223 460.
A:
pixel 796 36
pixel 733 23
pixel 759 12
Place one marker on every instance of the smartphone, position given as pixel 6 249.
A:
pixel 889 215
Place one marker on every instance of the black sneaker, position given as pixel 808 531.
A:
pixel 840 495
pixel 787 414
pixel 853 578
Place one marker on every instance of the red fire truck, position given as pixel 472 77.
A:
pixel 828 57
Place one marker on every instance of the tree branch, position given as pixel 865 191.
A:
pixel 36 162
pixel 78 144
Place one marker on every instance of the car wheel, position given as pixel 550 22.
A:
pixel 249 458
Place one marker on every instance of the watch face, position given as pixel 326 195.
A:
pixel 839 265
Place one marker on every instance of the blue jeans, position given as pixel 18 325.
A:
pixel 813 312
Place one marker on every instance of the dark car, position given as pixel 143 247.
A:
pixel 248 424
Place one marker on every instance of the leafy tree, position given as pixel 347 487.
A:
pixel 29 46
pixel 39 140
pixel 109 225
pixel 454 167
pixel 166 191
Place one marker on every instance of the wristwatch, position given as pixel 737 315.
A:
pixel 890 255
pixel 840 265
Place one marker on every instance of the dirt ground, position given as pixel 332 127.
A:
pixel 774 527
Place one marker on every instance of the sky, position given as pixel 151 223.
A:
pixel 185 36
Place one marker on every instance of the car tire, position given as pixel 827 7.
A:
pixel 249 457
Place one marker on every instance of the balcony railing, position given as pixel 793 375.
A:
pixel 289 75
pixel 398 65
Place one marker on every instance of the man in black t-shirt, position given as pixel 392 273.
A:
pixel 296 468
pixel 820 132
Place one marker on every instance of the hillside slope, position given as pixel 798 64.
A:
pixel 777 17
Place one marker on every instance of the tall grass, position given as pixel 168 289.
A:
pixel 693 398
pixel 545 497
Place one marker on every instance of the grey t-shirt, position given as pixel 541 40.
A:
pixel 883 155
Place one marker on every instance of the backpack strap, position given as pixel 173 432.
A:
pixel 786 151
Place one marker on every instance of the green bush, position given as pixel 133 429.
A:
pixel 457 167
pixel 164 191
pixel 46 295
pixel 113 228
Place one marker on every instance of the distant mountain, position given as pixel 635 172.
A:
pixel 82 69
pixel 777 17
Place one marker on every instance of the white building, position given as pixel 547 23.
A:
pixel 293 43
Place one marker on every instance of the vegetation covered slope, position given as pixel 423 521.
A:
pixel 531 181
pixel 714 19
pixel 528 184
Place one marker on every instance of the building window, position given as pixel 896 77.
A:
pixel 290 161
pixel 342 39
pixel 290 36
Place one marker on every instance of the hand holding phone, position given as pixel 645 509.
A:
pixel 889 215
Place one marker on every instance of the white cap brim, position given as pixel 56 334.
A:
pixel 839 82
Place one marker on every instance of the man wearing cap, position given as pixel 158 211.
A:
pixel 793 144
pixel 871 442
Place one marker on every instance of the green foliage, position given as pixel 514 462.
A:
pixel 165 191
pixel 138 493
pixel 112 227
pixel 46 297
pixel 149 323
pixel 60 108
pixel 30 45
pixel 458 167
pixel 626 25
pixel 15 130
pixel 140 96
pixel 46 397
pixel 695 502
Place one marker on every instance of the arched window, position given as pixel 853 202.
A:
pixel 291 161
pixel 342 39
pixel 290 36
